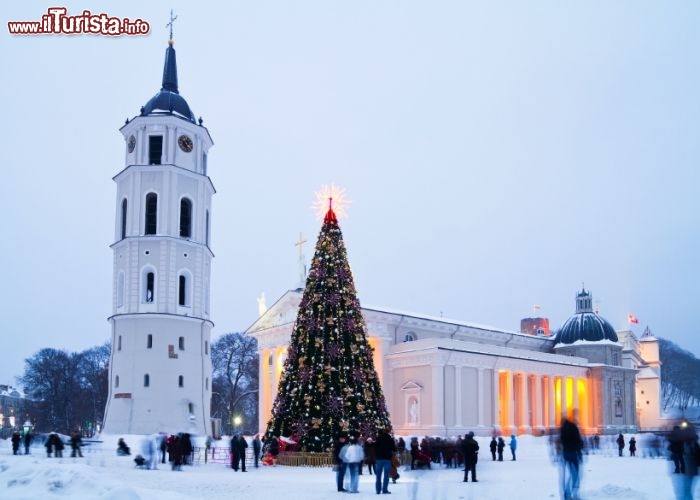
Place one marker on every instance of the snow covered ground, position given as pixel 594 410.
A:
pixel 101 474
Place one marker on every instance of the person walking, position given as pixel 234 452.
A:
pixel 27 441
pixel 340 465
pixel 501 445
pixel 352 454
pixel 370 457
pixel 16 438
pixel 675 446
pixel 257 446
pixel 633 446
pixel 470 450
pixel 384 450
pixel 76 442
pixel 513 445
pixel 620 444
pixel 492 446
pixel 571 445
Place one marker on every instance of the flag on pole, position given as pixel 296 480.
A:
pixel 632 319
pixel 535 308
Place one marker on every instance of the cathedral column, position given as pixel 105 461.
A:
pixel 552 402
pixel 510 386
pixel 562 395
pixel 458 396
pixel 537 407
pixel 438 407
pixel 481 409
pixel 525 422
pixel 496 400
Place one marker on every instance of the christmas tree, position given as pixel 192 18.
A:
pixel 329 385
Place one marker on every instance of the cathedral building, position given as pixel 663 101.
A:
pixel 443 377
pixel 160 366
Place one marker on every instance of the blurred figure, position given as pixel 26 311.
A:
pixel 352 454
pixel 571 449
pixel 257 446
pixel 500 446
pixel 633 446
pixel 513 445
pixel 27 441
pixel 16 438
pixel 470 450
pixel 76 443
pixel 492 446
pixel 675 447
pixel 122 448
pixel 620 444
pixel 684 483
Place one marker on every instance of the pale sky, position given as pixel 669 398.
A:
pixel 497 155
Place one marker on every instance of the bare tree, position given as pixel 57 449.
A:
pixel 235 381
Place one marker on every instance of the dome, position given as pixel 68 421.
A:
pixel 168 100
pixel 585 324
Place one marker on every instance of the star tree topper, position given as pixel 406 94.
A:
pixel 330 199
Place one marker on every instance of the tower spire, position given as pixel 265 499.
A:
pixel 170 67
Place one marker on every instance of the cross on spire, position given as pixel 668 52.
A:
pixel 302 264
pixel 170 24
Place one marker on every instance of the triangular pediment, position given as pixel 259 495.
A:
pixel 280 313
pixel 411 386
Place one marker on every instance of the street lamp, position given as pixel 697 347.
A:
pixel 236 422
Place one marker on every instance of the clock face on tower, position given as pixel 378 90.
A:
pixel 131 144
pixel 185 143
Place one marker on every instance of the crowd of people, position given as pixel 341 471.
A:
pixel 384 455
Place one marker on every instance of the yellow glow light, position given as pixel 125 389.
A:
pixel 330 197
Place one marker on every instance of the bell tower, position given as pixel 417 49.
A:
pixel 160 366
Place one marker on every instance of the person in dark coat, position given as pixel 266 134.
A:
pixel 571 445
pixel 620 444
pixel 633 446
pixel 235 450
pixel 16 438
pixel 340 466
pixel 241 444
pixel 384 450
pixel 370 457
pixel 492 446
pixel 76 443
pixel 257 446
pixel 501 445
pixel 675 447
pixel 27 441
pixel 58 445
pixel 175 452
pixel 470 450
pixel 163 447
pixel 122 448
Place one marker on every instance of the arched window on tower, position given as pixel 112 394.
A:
pixel 149 341
pixel 149 290
pixel 116 381
pixel 181 381
pixel 151 225
pixel 183 298
pixel 409 337
pixel 185 218
pixel 124 205
pixel 146 380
